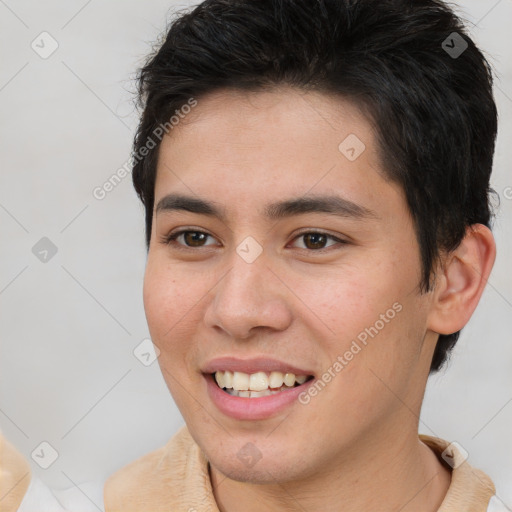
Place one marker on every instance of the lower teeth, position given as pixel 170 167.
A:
pixel 256 394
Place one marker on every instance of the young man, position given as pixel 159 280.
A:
pixel 316 178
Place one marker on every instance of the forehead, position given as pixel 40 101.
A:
pixel 243 149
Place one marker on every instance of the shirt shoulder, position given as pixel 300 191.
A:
pixel 133 485
pixel 15 476
pixel 169 478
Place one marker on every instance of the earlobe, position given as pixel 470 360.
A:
pixel 462 280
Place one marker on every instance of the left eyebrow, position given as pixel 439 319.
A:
pixel 330 204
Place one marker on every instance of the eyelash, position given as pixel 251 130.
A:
pixel 171 239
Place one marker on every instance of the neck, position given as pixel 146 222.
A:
pixel 402 475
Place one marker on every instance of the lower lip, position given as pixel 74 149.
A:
pixel 242 408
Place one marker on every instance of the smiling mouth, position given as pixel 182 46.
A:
pixel 259 384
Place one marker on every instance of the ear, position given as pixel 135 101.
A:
pixel 461 280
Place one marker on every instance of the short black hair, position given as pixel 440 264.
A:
pixel 408 64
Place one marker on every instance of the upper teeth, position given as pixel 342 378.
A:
pixel 257 381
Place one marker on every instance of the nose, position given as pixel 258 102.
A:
pixel 248 299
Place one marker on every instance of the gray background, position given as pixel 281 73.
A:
pixel 69 325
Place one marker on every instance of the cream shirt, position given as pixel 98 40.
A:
pixel 176 478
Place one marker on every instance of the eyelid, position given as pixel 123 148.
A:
pixel 171 237
pixel 319 231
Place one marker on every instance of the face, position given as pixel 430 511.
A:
pixel 293 254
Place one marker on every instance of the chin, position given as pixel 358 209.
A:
pixel 240 460
pixel 264 471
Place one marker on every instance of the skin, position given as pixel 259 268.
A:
pixel 355 445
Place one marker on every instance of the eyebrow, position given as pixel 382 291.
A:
pixel 330 204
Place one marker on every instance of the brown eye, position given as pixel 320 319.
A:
pixel 194 238
pixel 188 238
pixel 317 241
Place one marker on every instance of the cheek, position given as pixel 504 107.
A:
pixel 158 292
pixel 342 302
pixel 169 306
pixel 368 315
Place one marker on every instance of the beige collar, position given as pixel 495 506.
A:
pixel 470 489
pixel 176 477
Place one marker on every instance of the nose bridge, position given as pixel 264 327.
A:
pixel 244 282
pixel 248 296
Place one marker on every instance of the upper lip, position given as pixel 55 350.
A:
pixel 258 364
